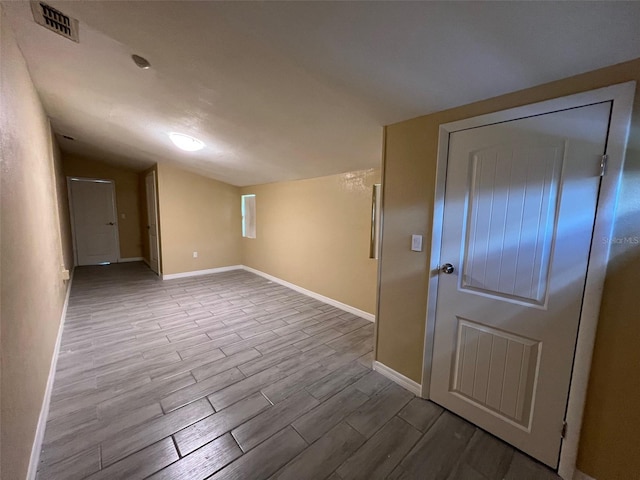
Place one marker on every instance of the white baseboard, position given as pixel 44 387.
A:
pixel 34 460
pixel 391 374
pixel 578 475
pixel 131 259
pixel 197 273
pixel 292 286
pixel 342 306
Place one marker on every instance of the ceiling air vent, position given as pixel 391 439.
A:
pixel 55 20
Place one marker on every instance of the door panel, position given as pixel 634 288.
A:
pixel 519 211
pixel 496 370
pixel 95 221
pixel 510 220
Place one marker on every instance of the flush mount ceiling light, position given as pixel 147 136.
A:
pixel 185 142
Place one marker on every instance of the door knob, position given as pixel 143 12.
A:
pixel 110 223
pixel 447 268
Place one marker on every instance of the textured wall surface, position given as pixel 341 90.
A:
pixel 315 234
pixel 34 248
pixel 197 214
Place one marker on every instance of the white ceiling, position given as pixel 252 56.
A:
pixel 287 90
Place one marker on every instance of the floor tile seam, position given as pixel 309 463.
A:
pixel 420 437
pixel 146 446
pixel 104 439
pixel 371 397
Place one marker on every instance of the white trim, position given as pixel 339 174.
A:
pixel 391 374
pixel 156 201
pixel 342 306
pixel 380 247
pixel 622 97
pixel 581 476
pixel 34 459
pixel 196 273
pixel 131 259
pixel 330 301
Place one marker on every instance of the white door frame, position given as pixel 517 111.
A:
pixel 72 220
pixel 622 97
pixel 152 173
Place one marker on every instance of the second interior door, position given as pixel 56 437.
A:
pixel 519 212
pixel 94 221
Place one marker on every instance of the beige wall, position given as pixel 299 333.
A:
pixel 34 246
pixel 63 209
pixel 315 233
pixel 611 430
pixel 127 198
pixel 197 214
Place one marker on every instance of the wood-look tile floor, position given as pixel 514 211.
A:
pixel 230 376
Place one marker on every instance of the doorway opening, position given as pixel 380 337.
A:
pixel 94 221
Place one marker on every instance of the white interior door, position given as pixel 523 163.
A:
pixel 152 221
pixel 519 211
pixel 94 221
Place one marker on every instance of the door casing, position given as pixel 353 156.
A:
pixel 622 97
pixel 154 182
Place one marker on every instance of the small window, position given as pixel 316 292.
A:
pixel 249 216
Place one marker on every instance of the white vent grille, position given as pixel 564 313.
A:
pixel 54 20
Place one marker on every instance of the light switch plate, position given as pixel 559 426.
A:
pixel 416 243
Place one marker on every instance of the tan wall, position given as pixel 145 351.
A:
pixel 611 430
pixel 197 214
pixel 34 246
pixel 127 198
pixel 315 233
pixel 63 209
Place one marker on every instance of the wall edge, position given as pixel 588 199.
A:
pixel 578 475
pixel 397 377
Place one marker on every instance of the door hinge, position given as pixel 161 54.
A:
pixel 603 164
pixel 563 432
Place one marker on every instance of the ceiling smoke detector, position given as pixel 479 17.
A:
pixel 56 21
pixel 142 62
